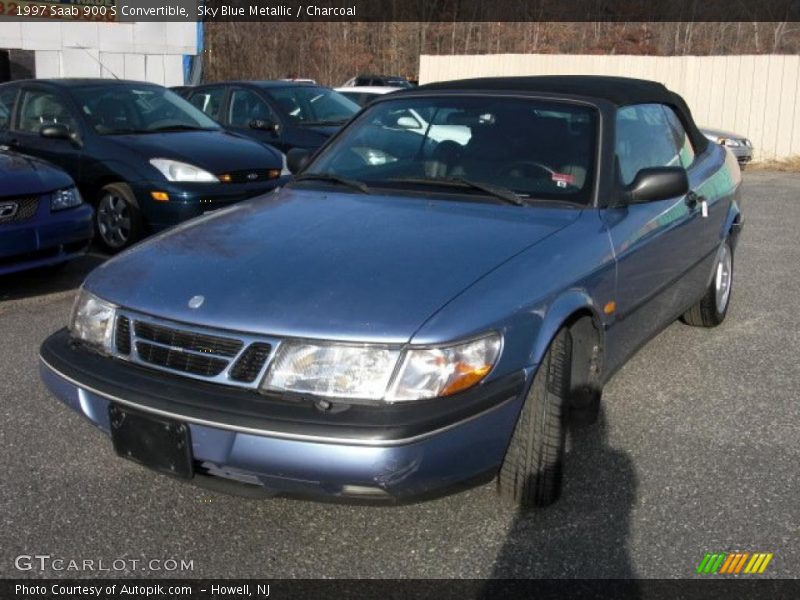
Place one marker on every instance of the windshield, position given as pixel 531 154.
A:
pixel 311 105
pixel 119 109
pixel 536 149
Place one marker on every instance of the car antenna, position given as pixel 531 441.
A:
pixel 97 60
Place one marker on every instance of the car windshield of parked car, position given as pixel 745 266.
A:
pixel 312 105
pixel 536 149
pixel 124 109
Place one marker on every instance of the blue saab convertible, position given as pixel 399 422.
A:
pixel 414 312
pixel 43 219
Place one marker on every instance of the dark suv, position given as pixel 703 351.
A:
pixel 142 155
pixel 284 114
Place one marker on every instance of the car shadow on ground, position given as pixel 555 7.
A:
pixel 48 280
pixel 585 533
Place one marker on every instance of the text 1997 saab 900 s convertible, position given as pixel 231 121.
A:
pixel 412 314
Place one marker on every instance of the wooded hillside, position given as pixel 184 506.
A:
pixel 333 52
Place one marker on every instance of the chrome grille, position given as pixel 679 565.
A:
pixel 193 351
pixel 14 210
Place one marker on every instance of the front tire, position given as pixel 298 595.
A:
pixel 531 472
pixel 118 221
pixel 712 308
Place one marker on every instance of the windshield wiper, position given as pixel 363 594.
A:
pixel 352 183
pixel 326 122
pixel 499 192
pixel 180 128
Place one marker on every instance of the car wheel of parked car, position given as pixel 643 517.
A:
pixel 531 472
pixel 710 311
pixel 117 217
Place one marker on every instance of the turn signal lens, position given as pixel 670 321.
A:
pixel 226 178
pixel 432 372
pixel 273 173
pixel 160 196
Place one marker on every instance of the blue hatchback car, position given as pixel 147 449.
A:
pixel 422 308
pixel 43 219
pixel 143 156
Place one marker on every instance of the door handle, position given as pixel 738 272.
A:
pixel 693 199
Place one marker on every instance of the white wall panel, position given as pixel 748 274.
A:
pixel 754 95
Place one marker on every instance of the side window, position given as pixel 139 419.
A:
pixel 644 139
pixel 209 101
pixel 7 96
pixel 682 141
pixel 246 106
pixel 40 109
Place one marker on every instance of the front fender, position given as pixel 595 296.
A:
pixel 564 308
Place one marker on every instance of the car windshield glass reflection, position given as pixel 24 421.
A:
pixel 309 105
pixel 120 109
pixel 535 149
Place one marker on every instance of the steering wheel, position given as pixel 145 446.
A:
pixel 521 164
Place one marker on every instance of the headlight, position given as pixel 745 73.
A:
pixel 365 372
pixel 66 198
pixel 432 372
pixel 329 370
pixel 92 320
pixel 175 170
pixel 730 143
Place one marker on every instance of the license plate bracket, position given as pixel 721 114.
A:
pixel 161 444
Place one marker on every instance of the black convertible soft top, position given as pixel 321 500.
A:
pixel 621 91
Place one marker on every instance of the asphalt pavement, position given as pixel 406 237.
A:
pixel 697 450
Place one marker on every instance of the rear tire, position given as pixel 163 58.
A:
pixel 531 472
pixel 712 308
pixel 117 218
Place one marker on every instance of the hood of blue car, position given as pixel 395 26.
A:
pixel 323 265
pixel 215 151
pixel 22 175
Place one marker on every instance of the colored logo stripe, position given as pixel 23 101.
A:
pixel 733 563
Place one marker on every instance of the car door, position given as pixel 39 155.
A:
pixel 654 242
pixel 250 114
pixel 37 108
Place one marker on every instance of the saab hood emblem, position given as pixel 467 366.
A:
pixel 8 210
pixel 196 301
pixel 252 176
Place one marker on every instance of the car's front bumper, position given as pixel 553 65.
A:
pixel 188 200
pixel 47 239
pixel 290 447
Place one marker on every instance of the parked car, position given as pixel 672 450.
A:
pixel 366 94
pixel 739 145
pixel 395 328
pixel 283 114
pixel 378 80
pixel 43 219
pixel 143 156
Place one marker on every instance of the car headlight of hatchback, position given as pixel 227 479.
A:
pixel 372 372
pixel 731 143
pixel 175 170
pixel 443 371
pixel 66 198
pixel 92 320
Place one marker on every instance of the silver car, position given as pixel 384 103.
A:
pixel 739 145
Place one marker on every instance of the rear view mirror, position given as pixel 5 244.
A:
pixel 58 131
pixel 55 132
pixel 263 125
pixel 297 159
pixel 656 183
pixel 408 122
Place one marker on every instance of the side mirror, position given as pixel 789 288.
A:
pixel 55 132
pixel 408 122
pixel 297 159
pixel 58 131
pixel 264 125
pixel 656 183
